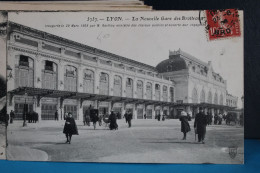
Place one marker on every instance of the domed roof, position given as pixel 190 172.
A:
pixel 174 63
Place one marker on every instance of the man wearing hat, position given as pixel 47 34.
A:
pixel 200 124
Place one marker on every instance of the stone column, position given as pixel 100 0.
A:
pixel 61 71
pixel 111 84
pixel 123 86
pixel 153 112
pixel 153 90
pixel 134 111
pixel 80 113
pixel 38 110
pixel 161 112
pixel 96 82
pixel 80 79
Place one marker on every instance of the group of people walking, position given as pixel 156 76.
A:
pixel 200 124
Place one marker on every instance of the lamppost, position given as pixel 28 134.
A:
pixel 25 110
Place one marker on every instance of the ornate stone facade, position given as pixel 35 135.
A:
pixel 45 61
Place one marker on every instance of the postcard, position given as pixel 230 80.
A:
pixel 125 87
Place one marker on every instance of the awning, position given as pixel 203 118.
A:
pixel 40 92
pixel 205 105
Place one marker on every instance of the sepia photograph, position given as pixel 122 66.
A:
pixel 125 87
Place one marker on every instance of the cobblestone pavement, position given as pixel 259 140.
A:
pixel 148 141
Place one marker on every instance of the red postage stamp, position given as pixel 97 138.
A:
pixel 223 23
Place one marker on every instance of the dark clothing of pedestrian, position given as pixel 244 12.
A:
pixel 129 119
pixel 12 116
pixel 185 126
pixel 125 115
pixel 56 116
pixel 70 128
pixel 94 119
pixel 113 124
pixel 86 119
pixel 159 117
pixel 144 116
pixel 200 124
pixel 215 119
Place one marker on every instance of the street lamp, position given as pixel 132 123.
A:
pixel 25 109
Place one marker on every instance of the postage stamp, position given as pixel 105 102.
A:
pixel 223 23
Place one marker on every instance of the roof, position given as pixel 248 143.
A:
pixel 174 63
pixel 188 56
pixel 76 45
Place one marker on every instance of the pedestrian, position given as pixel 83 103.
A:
pixel 56 115
pixel 126 115
pixel 211 117
pixel 163 117
pixel 220 119
pixel 65 115
pixel 129 119
pixel 200 124
pixel 70 128
pixel 12 116
pixel 185 126
pixel 88 116
pixel 94 117
pixel 29 116
pixel 215 119
pixel 159 117
pixel 112 120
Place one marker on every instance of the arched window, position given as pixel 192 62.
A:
pixel 194 96
pixel 210 97
pixel 202 96
pixel 104 84
pixel 117 85
pixel 149 91
pixel 139 91
pixel 165 93
pixel 88 81
pixel 129 87
pixel 221 100
pixel 171 94
pixel 157 92
pixel 49 75
pixel 24 71
pixel 216 99
pixel 70 78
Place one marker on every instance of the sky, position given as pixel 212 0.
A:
pixel 148 45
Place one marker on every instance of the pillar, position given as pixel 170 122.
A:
pixel 39 110
pixel 161 112
pixel 96 82
pixel 153 112
pixel 123 109
pixel 135 112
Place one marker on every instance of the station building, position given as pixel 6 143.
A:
pixel 231 100
pixel 52 73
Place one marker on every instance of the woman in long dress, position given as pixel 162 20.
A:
pixel 185 126
pixel 112 119
pixel 70 128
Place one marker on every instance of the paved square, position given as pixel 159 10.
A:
pixel 147 141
